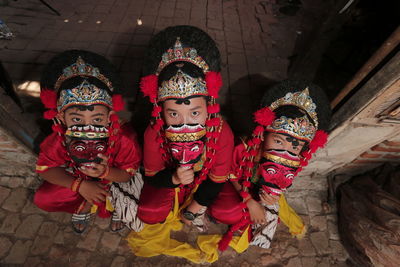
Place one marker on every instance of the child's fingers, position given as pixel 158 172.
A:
pixel 103 157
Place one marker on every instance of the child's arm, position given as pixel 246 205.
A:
pixel 257 212
pixel 90 190
pixel 58 176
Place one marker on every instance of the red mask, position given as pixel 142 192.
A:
pixel 277 171
pixel 187 153
pixel 185 143
pixel 85 151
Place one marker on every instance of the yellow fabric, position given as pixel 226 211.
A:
pixel 155 239
pixel 290 218
pixel 109 207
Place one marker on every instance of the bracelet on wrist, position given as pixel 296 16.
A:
pixel 105 173
pixel 76 184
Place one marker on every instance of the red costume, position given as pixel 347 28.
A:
pixel 296 111
pixel 82 80
pixel 54 198
pixel 155 209
pixel 183 64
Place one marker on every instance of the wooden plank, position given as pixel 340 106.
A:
pixel 378 83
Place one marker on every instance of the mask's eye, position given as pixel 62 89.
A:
pixel 174 150
pixel 289 176
pixel 100 148
pixel 195 149
pixel 97 120
pixel 271 170
pixel 195 113
pixel 79 148
pixel 75 119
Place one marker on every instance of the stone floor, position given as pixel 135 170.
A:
pixel 31 237
pixel 256 39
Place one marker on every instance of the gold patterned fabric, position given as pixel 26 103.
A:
pixel 281 160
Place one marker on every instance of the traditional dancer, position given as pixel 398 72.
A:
pixel 89 148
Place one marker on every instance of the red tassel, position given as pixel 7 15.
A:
pixel 253 152
pixel 256 140
pixel 49 98
pixel 319 141
pixel 244 194
pixel 57 128
pixel 246 183
pixel 225 240
pixel 149 86
pixel 214 83
pixel 156 111
pixel 258 130
pixel 264 116
pixel 50 114
pixel 118 102
pixel 114 117
pixel 211 109
pixel 213 122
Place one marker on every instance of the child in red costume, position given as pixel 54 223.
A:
pixel 291 126
pixel 88 149
pixel 189 146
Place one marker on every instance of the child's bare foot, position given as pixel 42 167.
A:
pixel 116 224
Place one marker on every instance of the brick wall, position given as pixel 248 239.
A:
pixel 387 151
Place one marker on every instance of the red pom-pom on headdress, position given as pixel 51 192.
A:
pixel 214 83
pixel 264 116
pixel 319 140
pixel 118 102
pixel 149 86
pixel 50 114
pixel 49 98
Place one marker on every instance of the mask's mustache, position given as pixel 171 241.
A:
pixel 282 150
pixel 81 161
pixel 188 124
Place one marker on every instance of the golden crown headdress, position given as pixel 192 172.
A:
pixel 179 53
pixel 300 99
pixel 181 85
pixel 81 68
pixel 85 94
pixel 301 128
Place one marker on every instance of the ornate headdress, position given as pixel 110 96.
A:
pixel 77 77
pixel 275 116
pixel 184 45
pixel 81 78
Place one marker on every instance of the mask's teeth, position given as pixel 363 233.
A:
pixel 79 128
pixel 86 128
pixel 73 128
pixel 106 130
pixel 91 127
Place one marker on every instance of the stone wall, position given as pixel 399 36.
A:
pixel 17 163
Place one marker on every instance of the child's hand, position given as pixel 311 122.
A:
pixel 93 191
pixel 268 199
pixel 183 175
pixel 257 212
pixel 94 169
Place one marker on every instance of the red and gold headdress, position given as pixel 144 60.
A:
pixel 80 78
pixel 187 45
